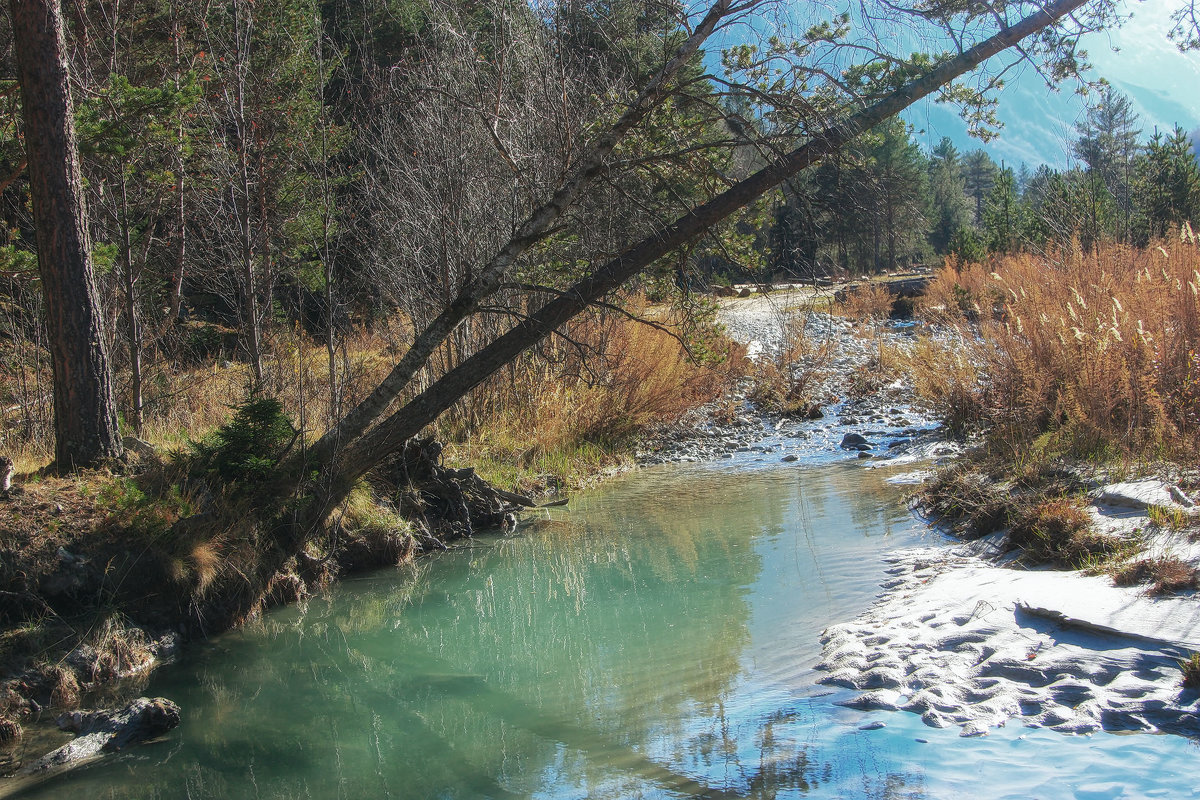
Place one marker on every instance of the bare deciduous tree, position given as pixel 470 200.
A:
pixel 367 434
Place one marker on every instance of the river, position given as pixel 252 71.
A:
pixel 656 640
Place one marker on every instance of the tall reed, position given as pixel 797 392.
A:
pixel 1101 348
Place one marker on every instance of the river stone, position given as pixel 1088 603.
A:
pixel 853 441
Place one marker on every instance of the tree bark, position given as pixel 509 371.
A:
pixel 364 452
pixel 85 418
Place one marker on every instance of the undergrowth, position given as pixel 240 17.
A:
pixel 1162 575
pixel 1102 349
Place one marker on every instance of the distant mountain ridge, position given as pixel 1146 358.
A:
pixel 1039 124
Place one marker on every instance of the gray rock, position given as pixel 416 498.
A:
pixel 854 441
pixel 139 447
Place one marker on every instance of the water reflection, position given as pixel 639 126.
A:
pixel 653 642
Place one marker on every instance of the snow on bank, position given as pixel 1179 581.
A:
pixel 963 637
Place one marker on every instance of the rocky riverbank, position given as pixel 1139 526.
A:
pixel 855 406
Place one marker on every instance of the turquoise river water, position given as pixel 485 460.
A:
pixel 655 641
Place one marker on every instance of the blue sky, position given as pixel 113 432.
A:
pixel 1039 123
pixel 1136 59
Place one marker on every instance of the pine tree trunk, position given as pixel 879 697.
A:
pixel 85 419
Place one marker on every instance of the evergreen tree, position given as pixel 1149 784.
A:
pixel 897 174
pixel 1169 184
pixel 85 416
pixel 979 176
pixel 949 208
pixel 1108 145
pixel 1002 215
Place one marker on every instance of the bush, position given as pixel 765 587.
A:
pixel 1165 574
pixel 869 302
pixel 1060 532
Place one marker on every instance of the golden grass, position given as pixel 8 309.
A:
pixel 1104 346
pixel 868 302
pixel 574 411
pixel 563 409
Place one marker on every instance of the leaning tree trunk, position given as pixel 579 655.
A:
pixel 85 418
pixel 360 454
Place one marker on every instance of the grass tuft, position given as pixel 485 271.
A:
pixel 1059 531
pixel 1190 667
pixel 968 502
pixel 1165 575
pixel 1172 518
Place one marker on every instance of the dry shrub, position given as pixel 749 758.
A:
pixel 1190 669
pixel 10 730
pixel 65 689
pixel 960 291
pixel 643 378
pixel 947 375
pixel 1105 345
pixel 868 302
pixel 575 397
pixel 118 649
pixel 1059 532
pixel 967 502
pixel 1165 574
pixel 784 378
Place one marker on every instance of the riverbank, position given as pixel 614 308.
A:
pixel 76 651
pixel 975 634
pixel 1075 608
pixel 967 635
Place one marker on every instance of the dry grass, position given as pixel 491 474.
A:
pixel 1164 575
pixel 948 377
pixel 563 408
pixel 784 379
pixel 1059 531
pixel 1104 347
pixel 1190 669
pixel 575 409
pixel 867 302
pixel 967 502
